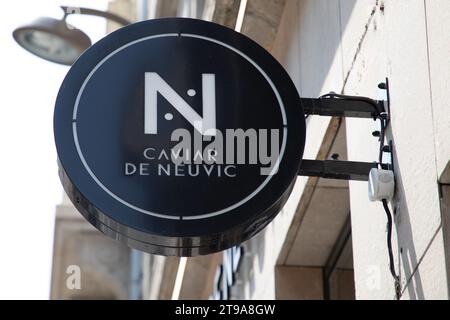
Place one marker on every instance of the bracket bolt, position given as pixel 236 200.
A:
pixel 383 115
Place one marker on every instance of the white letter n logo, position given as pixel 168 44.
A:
pixel 154 84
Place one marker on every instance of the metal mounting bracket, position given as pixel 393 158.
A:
pixel 342 107
pixel 350 107
pixel 335 169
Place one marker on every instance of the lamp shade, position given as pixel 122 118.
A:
pixel 52 40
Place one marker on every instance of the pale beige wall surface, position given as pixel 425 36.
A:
pixel 103 263
pixel 395 46
pixel 351 46
pixel 438 30
pixel 298 283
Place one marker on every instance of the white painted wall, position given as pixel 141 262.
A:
pixel 352 45
pixel 396 46
pixel 438 29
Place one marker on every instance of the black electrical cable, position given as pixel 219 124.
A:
pixel 384 120
pixel 379 115
pixel 389 245
pixel 384 124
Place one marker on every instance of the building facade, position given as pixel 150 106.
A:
pixel 329 241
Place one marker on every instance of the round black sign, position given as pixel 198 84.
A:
pixel 178 136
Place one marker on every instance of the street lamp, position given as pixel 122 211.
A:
pixel 56 41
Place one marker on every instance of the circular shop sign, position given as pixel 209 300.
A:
pixel 178 136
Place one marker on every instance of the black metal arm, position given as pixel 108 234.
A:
pixel 334 169
pixel 97 13
pixel 340 106
pixel 337 105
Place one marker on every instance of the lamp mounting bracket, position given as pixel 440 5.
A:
pixel 93 12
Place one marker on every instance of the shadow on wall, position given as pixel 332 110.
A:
pixel 407 255
pixel 297 48
pixel 314 74
pixel 324 72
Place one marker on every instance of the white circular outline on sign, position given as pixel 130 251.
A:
pixel 194 217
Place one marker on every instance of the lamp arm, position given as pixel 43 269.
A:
pixel 93 12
